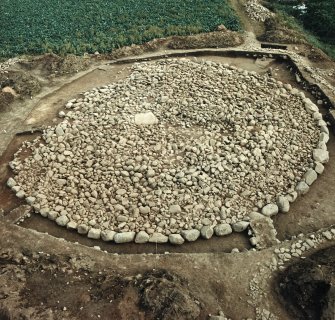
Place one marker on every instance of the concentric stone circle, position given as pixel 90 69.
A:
pixel 178 150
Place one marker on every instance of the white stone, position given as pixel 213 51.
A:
pixel 270 210
pixel 190 235
pixel 21 194
pixel 30 200
pixel 310 176
pixel 158 238
pixel 319 168
pixel 142 237
pixel 320 155
pixel 83 229
pixel 72 225
pixel 302 188
pixel 94 233
pixel 108 235
pixel 324 138
pixel 176 239
pixel 311 107
pixel 44 212
pixel 124 237
pixel 283 204
pixel 207 232
pixel 11 183
pixel 52 215
pixel 147 118
pixel 223 229
pixel 175 208
pixel 62 221
pixel 59 131
pixel 292 196
pixel 61 114
pixel 240 226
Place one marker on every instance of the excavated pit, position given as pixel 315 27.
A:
pixel 236 240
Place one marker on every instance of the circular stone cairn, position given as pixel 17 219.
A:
pixel 180 149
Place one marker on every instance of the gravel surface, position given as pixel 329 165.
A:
pixel 257 11
pixel 178 145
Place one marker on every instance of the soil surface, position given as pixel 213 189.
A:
pixel 307 287
pixel 48 272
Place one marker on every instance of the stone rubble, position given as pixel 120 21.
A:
pixel 176 147
pixel 4 66
pixel 283 254
pixel 257 11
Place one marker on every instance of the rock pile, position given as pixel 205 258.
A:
pixel 8 63
pixel 178 150
pixel 256 11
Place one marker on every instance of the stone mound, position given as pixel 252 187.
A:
pixel 179 149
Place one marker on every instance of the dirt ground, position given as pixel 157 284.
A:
pixel 48 272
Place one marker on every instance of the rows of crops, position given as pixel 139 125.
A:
pixel 69 26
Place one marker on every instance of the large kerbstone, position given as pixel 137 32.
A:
pixel 190 235
pixel 158 238
pixel 124 237
pixel 321 155
pixel 94 233
pixel 223 229
pixel 142 237
pixel 176 239
pixel 270 210
pixel 302 188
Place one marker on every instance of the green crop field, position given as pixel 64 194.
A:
pixel 69 26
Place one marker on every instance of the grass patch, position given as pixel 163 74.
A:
pixel 289 18
pixel 67 26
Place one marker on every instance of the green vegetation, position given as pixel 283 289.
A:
pixel 317 22
pixel 68 26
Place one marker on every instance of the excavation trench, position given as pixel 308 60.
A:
pixel 307 214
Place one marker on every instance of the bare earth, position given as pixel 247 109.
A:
pixel 48 272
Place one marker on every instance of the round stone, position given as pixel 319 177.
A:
pixel 270 210
pixel 223 229
pixel 94 233
pixel 190 235
pixel 157 237
pixel 176 239
pixel 207 232
pixel 124 237
pixel 240 226
pixel 142 237
pixel 62 220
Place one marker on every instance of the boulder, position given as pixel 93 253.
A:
pixel 176 239
pixel 283 204
pixel 124 237
pixel 270 210
pixel 62 221
pixel 107 235
pixel 94 233
pixel 310 176
pixel 302 188
pixel 223 229
pixel 190 235
pixel 240 226
pixel 11 183
pixel 158 238
pixel 207 232
pixel 142 237
pixel 320 155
